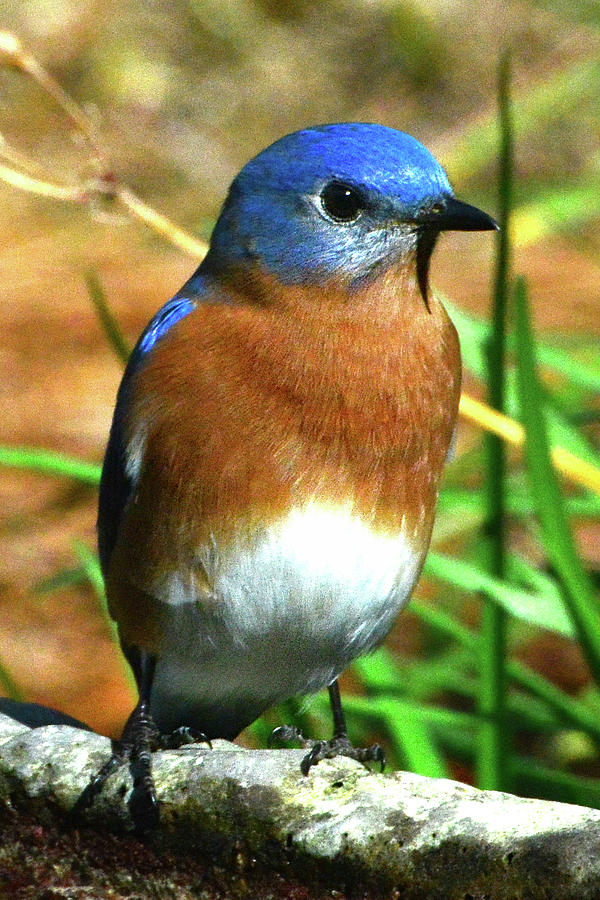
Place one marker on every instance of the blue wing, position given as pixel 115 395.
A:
pixel 115 484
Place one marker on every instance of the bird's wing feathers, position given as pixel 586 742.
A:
pixel 116 485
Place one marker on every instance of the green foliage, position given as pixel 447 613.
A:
pixel 493 744
pixel 50 463
pixel 8 684
pixel 542 607
pixel 109 324
pixel 579 596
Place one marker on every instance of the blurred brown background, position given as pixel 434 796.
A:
pixel 183 93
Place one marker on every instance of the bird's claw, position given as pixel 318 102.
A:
pixel 140 739
pixel 143 803
pixel 337 746
pixel 97 781
pixel 181 737
pixel 341 746
pixel 286 734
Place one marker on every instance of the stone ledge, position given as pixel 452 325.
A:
pixel 396 834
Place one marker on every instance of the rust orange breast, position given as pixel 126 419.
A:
pixel 247 411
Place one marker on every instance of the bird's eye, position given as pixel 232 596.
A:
pixel 342 202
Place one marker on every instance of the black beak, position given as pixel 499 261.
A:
pixel 451 214
pixel 448 214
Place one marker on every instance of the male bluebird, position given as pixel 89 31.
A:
pixel 269 486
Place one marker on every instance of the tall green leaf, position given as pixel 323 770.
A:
pixel 578 592
pixel 48 462
pixel 109 323
pixel 539 609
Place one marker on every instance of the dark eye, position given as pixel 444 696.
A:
pixel 342 202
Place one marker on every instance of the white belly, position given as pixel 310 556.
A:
pixel 286 613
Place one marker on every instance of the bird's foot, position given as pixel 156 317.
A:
pixel 181 737
pixel 140 739
pixel 339 745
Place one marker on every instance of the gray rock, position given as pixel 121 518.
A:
pixel 392 835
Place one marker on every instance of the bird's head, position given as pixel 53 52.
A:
pixel 339 202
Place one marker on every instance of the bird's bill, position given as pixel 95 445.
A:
pixel 454 215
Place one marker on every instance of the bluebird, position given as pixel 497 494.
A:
pixel 270 481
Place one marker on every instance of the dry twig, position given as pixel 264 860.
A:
pixel 17 168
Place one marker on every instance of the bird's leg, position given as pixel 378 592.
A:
pixel 339 745
pixel 139 739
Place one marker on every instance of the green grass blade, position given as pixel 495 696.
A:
pixel 568 710
pixel 474 336
pixel 48 462
pixel 445 623
pixel 467 507
pixel 65 578
pixel 109 323
pixel 381 672
pixel 525 605
pixel 408 731
pixel 494 737
pixel 556 211
pixel 437 716
pixel 522 572
pixel 578 592
pixel 91 566
pixel 558 92
pixel 423 680
pixel 8 685
pixel 561 433
pixel 532 779
pixel 585 375
pixel 474 333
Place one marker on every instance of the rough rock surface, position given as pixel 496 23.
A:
pixel 257 819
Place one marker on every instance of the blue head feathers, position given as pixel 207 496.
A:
pixel 335 201
pixel 373 157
